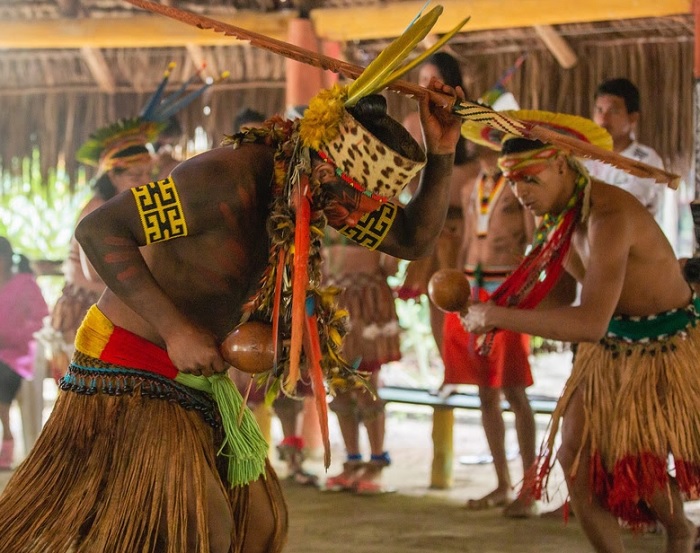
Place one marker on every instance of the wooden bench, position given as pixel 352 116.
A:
pixel 443 422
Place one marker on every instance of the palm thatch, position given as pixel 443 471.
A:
pixel 51 99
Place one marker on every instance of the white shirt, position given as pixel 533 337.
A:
pixel 646 191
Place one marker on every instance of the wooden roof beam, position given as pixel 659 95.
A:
pixel 332 24
pixel 557 45
pixel 99 68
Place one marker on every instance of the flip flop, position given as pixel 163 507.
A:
pixel 369 487
pixel 304 478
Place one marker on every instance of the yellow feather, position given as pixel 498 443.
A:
pixel 434 48
pixel 374 77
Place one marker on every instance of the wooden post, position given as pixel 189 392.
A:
pixel 443 448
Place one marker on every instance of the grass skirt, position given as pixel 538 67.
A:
pixel 642 420
pixel 118 466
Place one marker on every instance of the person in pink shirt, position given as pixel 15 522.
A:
pixel 22 308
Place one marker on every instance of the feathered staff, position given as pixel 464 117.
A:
pixel 465 109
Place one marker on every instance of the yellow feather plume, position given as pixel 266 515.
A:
pixel 434 48
pixel 378 73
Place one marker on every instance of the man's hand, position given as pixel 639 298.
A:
pixel 440 127
pixel 477 319
pixel 196 352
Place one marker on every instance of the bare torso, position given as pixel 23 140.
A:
pixel 508 233
pixel 653 282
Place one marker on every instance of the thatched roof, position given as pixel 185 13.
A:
pixel 54 97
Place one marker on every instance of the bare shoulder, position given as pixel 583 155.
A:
pixel 223 161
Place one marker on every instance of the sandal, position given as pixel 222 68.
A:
pixel 347 479
pixel 372 487
pixel 303 478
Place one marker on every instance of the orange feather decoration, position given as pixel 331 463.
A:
pixel 300 277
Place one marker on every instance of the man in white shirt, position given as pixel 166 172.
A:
pixel 617 111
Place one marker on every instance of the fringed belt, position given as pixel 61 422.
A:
pixel 88 375
pixel 129 358
pixel 654 327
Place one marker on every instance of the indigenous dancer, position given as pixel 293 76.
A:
pixel 372 341
pixel 631 402
pixel 143 450
pixel 496 234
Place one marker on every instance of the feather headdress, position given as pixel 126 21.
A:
pixel 123 142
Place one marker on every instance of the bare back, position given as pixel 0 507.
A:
pixel 226 194
pixel 621 250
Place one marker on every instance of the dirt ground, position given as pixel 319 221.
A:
pixel 418 519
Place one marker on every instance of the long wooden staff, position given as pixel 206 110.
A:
pixel 465 109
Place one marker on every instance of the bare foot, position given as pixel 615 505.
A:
pixel 496 498
pixel 681 541
pixel 522 507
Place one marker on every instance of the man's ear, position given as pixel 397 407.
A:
pixel 634 118
pixel 561 163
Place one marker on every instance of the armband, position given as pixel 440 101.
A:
pixel 373 227
pixel 160 211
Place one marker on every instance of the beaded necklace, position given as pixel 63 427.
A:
pixel 485 201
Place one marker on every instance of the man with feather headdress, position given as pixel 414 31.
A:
pixel 148 447
pixel 631 401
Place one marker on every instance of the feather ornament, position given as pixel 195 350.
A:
pixel 463 108
pixel 300 279
pixel 429 52
pixel 378 73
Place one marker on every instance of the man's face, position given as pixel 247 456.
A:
pixel 541 193
pixel 611 113
pixel 133 176
pixel 427 72
pixel 344 205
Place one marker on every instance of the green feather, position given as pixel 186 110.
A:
pixel 375 76
pixel 434 48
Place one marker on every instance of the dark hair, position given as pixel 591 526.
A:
pixel 517 145
pixel 19 260
pixel 245 116
pixel 6 251
pixel 370 112
pixel 172 128
pixel 103 185
pixel 451 74
pixel 622 88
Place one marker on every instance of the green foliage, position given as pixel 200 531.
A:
pixel 38 216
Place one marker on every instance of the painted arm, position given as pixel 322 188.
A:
pixel 111 237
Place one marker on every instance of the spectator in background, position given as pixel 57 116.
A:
pixel 247 118
pixel 617 111
pixel 497 232
pixel 120 153
pixel 22 309
pixel 373 340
